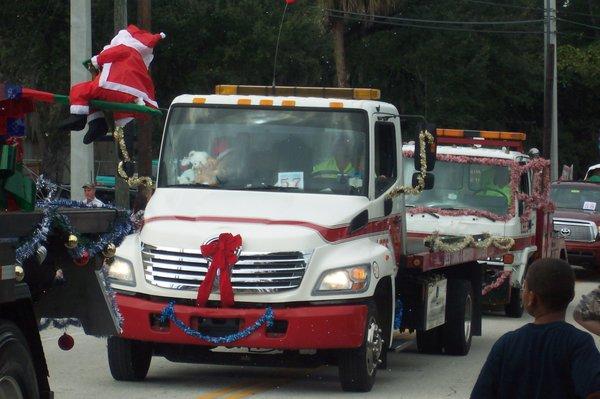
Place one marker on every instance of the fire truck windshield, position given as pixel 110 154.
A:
pixel 464 186
pixel 266 149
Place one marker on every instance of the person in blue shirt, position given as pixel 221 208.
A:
pixel 548 358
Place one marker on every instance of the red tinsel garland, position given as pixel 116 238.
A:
pixel 497 283
pixel 539 199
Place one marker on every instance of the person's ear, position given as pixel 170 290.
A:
pixel 533 299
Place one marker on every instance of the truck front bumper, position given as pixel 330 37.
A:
pixel 308 327
pixel 584 253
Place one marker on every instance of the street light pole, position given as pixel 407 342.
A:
pixel 554 122
pixel 121 186
pixel 82 156
pixel 550 135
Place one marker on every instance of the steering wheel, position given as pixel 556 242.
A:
pixel 493 190
pixel 332 181
pixel 327 173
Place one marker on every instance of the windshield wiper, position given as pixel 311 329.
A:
pixel 192 185
pixel 431 212
pixel 266 187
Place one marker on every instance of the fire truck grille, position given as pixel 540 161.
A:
pixel 576 230
pixel 184 269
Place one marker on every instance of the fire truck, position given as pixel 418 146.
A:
pixel 307 182
pixel 485 183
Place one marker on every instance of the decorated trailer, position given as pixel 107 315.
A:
pixel 51 257
pixel 278 223
pixel 486 184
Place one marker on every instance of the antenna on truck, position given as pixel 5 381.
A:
pixel 287 2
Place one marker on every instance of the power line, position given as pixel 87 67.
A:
pixel 490 3
pixel 431 21
pixel 578 23
pixel 381 20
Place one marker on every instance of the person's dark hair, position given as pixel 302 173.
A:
pixel 553 281
pixel 140 201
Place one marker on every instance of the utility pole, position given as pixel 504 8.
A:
pixel 550 92
pixel 82 155
pixel 121 186
pixel 144 139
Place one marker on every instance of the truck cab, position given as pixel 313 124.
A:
pixel 486 184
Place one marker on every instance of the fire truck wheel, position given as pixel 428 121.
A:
pixel 515 307
pixel 430 341
pixel 17 374
pixel 357 367
pixel 459 313
pixel 128 360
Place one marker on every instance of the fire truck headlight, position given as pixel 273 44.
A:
pixel 120 271
pixel 344 280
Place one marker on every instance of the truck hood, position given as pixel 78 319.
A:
pixel 267 221
pixel 453 225
pixel 562 213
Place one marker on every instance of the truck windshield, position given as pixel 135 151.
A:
pixel 577 197
pixel 266 149
pixel 463 186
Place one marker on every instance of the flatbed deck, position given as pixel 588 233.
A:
pixel 424 258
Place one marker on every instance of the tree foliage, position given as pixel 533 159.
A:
pixel 461 79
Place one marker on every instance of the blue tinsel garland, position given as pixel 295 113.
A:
pixel 112 296
pixel 169 313
pixel 398 314
pixel 121 229
pixel 58 323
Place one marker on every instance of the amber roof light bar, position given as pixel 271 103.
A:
pixel 300 91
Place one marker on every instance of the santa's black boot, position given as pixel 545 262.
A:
pixel 74 122
pixel 96 128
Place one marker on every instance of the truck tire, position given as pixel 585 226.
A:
pixel 357 367
pixel 128 360
pixel 430 341
pixel 17 373
pixel 515 307
pixel 457 331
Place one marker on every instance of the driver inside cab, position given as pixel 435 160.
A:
pixel 339 165
pixel 498 185
pixel 339 162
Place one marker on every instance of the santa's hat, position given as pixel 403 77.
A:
pixel 140 40
pixel 144 37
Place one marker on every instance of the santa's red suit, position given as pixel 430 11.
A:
pixel 124 75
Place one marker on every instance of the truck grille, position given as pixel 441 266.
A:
pixel 184 269
pixel 576 230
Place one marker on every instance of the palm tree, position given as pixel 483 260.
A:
pixel 337 26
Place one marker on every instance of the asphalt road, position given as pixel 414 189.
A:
pixel 83 371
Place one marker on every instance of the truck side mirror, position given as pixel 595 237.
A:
pixel 430 149
pixel 358 222
pixel 429 180
pixel 388 205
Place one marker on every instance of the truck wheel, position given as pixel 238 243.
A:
pixel 515 307
pixel 459 313
pixel 128 360
pixel 17 374
pixel 430 341
pixel 357 367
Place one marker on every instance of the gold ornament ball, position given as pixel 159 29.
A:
pixel 19 273
pixel 71 241
pixel 109 251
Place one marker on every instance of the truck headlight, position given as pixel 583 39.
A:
pixel 121 272
pixel 344 280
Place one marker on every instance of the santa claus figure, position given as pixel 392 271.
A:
pixel 121 76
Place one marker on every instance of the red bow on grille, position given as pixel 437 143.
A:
pixel 223 253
